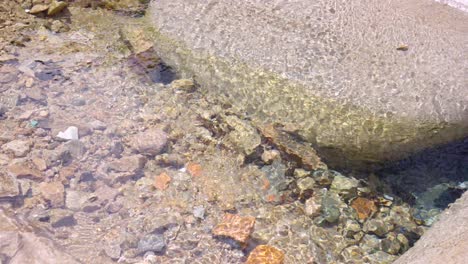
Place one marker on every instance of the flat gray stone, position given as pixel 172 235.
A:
pixel 365 81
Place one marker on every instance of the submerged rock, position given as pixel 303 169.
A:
pixel 150 142
pixel 236 227
pixel 264 254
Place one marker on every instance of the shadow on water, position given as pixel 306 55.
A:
pixel 430 179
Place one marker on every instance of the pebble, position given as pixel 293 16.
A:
pixel 151 242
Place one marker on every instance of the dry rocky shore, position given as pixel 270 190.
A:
pixel 106 156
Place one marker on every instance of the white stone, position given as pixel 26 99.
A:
pixel 70 134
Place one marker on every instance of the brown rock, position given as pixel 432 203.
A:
pixel 264 254
pixel 24 170
pixel 53 192
pixel 364 207
pixel 162 181
pixel 236 227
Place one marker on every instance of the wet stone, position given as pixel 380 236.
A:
pixel 236 227
pixel 264 254
pixel 151 242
